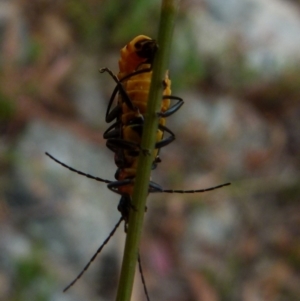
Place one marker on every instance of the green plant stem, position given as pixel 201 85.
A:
pixel 169 9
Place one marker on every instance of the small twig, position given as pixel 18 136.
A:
pixel 167 19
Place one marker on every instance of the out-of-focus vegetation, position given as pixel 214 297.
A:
pixel 240 123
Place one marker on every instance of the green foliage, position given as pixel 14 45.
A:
pixel 7 108
pixel 31 279
pixel 139 15
pixel 105 23
pixel 34 51
pixel 85 17
pixel 28 270
pixel 186 65
pixel 293 256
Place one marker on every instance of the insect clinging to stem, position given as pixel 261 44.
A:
pixel 124 135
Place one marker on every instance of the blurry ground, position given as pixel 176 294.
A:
pixel 236 65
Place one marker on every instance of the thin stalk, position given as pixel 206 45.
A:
pixel 169 9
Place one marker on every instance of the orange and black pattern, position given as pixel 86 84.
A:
pixel 123 137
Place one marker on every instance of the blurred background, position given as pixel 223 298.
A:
pixel 236 64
